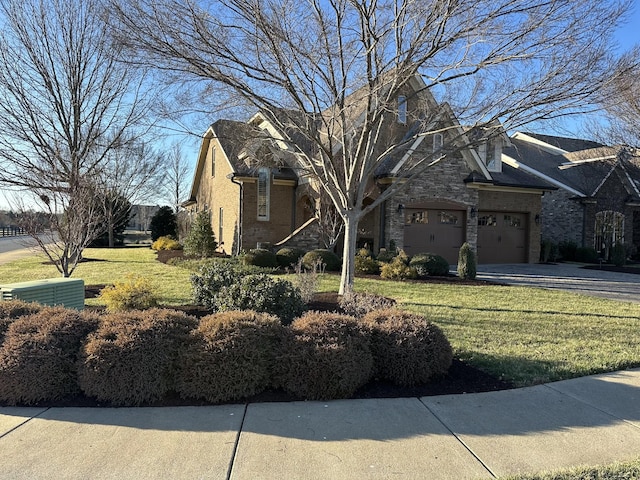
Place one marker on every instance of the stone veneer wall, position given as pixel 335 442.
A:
pixel 562 217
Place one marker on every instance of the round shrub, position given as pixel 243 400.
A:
pixel 39 355
pixel 466 262
pixel 429 264
pixel 260 257
pixel 262 294
pixel 130 293
pixel 359 304
pixel 321 257
pixel 287 257
pixel 408 350
pixel 211 277
pixel 166 243
pixel 365 264
pixel 398 270
pixel 231 356
pixel 132 357
pixel 10 310
pixel 586 255
pixel 618 255
pixel 327 356
pixel 386 256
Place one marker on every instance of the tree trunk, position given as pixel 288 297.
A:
pixel 351 221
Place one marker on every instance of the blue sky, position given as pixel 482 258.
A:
pixel 627 36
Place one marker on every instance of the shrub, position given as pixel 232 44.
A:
pixel 306 281
pixel 39 355
pixel 548 251
pixel 163 223
pixel 408 350
pixel 260 257
pixel 586 255
pixel 10 310
pixel 200 241
pixel 287 257
pixel 386 256
pixel 166 243
pixel 359 304
pixel 567 250
pixel 327 356
pixel 211 277
pixel 329 259
pixel 466 262
pixel 365 263
pixel 262 294
pixel 429 264
pixel 231 356
pixel 398 270
pixel 131 293
pixel 132 357
pixel 618 255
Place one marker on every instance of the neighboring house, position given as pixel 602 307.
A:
pixel 246 177
pixel 141 215
pixel 597 201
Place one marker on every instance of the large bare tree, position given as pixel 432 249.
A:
pixel 65 103
pixel 512 61
pixel 177 175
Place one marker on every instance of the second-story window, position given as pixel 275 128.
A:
pixel 264 187
pixel 402 109
pixel 213 160
pixel 437 141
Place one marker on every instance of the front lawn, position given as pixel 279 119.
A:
pixel 525 335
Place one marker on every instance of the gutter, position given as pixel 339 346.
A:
pixel 232 177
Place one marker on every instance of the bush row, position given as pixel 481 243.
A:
pixel 138 357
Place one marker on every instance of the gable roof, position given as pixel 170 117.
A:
pixel 580 167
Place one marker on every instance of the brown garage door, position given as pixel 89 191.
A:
pixel 434 231
pixel 502 237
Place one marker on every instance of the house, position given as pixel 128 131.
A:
pixel 247 178
pixel 597 201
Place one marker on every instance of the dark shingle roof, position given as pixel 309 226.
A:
pixel 566 144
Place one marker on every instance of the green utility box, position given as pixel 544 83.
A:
pixel 68 292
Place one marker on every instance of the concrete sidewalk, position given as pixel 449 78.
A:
pixel 585 421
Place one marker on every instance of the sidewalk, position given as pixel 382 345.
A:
pixel 585 421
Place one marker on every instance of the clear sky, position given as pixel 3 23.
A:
pixel 627 36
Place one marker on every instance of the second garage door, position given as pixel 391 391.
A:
pixel 502 237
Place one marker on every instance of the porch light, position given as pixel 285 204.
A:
pixel 473 212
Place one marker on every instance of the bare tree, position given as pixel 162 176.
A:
pixel 131 173
pixel 65 103
pixel 331 71
pixel 178 176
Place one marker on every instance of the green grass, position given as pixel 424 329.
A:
pixel 107 265
pixel 524 335
pixel 616 471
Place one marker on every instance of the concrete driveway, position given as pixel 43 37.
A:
pixel 600 283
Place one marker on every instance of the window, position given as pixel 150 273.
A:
pixel 417 217
pixel 213 160
pixel 447 218
pixel 609 230
pixel 402 109
pixel 220 225
pixel 490 153
pixel 437 141
pixel 512 221
pixel 264 181
pixel 487 221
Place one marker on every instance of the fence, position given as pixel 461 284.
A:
pixel 11 231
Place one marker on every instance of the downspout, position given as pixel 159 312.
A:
pixel 383 219
pixel 232 177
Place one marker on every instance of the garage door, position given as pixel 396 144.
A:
pixel 502 237
pixel 434 231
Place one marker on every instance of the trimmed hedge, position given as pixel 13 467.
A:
pixel 260 257
pixel 467 268
pixel 359 304
pixel 326 356
pixel 10 310
pixel 231 356
pixel 132 357
pixel 39 354
pixel 288 257
pixel 429 264
pixel 408 349
pixel 323 256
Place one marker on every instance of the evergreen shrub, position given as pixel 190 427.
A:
pixel 327 258
pixel 466 262
pixel 10 310
pixel 260 257
pixel 39 355
pixel 231 356
pixel 288 257
pixel 166 243
pixel 132 357
pixel 618 255
pixel 200 241
pixel 429 264
pixel 131 293
pixel 398 269
pixel 359 304
pixel 326 356
pixel 408 350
